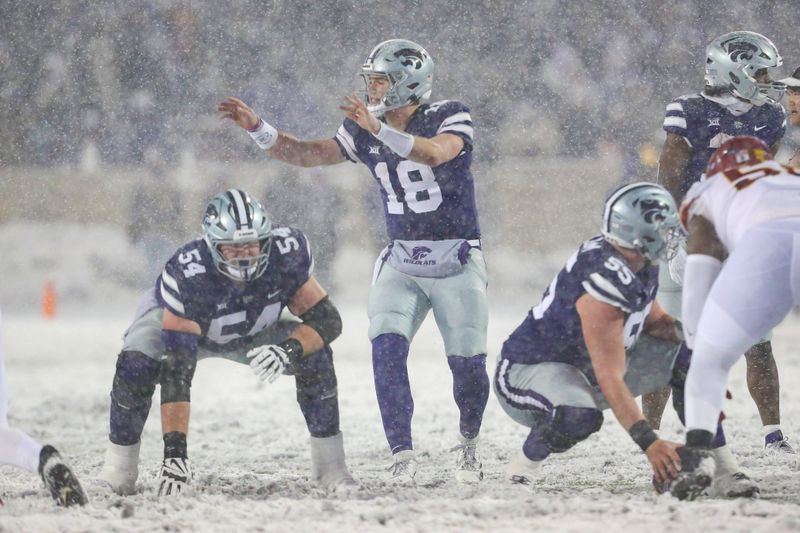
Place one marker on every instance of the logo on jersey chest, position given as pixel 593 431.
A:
pixel 713 122
pixel 375 150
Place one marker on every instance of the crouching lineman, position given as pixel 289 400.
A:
pixel 748 209
pixel 18 449
pixel 222 295
pixel 598 339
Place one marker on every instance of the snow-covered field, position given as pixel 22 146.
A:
pixel 249 446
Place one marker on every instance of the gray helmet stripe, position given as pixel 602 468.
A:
pixel 240 212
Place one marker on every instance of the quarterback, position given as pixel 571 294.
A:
pixel 419 153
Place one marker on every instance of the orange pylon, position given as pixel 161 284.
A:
pixel 49 298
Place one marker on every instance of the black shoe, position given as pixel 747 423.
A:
pixel 697 472
pixel 59 479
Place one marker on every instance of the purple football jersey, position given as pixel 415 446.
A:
pixel 230 313
pixel 706 124
pixel 420 202
pixel 552 330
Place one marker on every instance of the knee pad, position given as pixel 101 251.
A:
pixel 570 425
pixel 135 380
pixel 315 376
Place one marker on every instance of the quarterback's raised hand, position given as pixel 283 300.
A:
pixel 239 112
pixel 356 110
pixel 269 361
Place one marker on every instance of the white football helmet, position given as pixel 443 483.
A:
pixel 734 59
pixel 409 69
pixel 643 216
pixel 233 217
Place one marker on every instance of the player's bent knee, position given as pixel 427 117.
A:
pixel 570 425
pixel 135 379
pixel 177 372
pixel 385 323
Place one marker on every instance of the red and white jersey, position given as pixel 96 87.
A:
pixel 739 199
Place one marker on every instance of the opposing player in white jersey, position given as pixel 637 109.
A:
pixel 739 98
pixel 742 278
pixel 420 155
pixel 19 449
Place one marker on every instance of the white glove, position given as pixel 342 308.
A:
pixel 268 361
pixel 678 264
pixel 174 476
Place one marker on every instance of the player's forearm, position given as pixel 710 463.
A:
pixel 428 153
pixel 621 401
pixel 308 338
pixel 292 150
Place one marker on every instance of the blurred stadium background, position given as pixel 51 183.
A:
pixel 110 142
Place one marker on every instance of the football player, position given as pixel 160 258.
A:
pixel 739 99
pixel 222 296
pixel 747 214
pixel 793 103
pixel 597 339
pixel 419 154
pixel 20 450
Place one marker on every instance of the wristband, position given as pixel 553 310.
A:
pixel 642 434
pixel 292 347
pixel 264 135
pixel 398 142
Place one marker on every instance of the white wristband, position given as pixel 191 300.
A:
pixel 398 142
pixel 264 135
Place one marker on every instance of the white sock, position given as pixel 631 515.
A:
pixel 770 428
pixel 726 462
pixel 18 449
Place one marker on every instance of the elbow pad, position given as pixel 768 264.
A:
pixel 701 272
pixel 324 318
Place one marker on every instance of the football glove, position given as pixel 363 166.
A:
pixel 174 476
pixel 268 361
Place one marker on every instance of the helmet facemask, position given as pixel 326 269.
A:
pixel 232 219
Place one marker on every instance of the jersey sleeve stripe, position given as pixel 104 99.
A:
pixel 463 128
pixel 347 142
pixel 311 256
pixel 675 122
pixel 675 106
pixel 171 301
pixel 458 117
pixel 169 281
pixel 603 290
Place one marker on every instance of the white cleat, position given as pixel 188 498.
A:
pixel 328 466
pixel 174 477
pixel 120 468
pixel 404 468
pixel 521 470
pixel 469 468
pixel 733 485
pixel 780 447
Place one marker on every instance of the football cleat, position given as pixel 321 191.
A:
pixel 404 468
pixel 521 470
pixel 174 476
pixel 697 472
pixel 328 466
pixel 59 479
pixel 733 485
pixel 469 468
pixel 776 444
pixel 120 468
